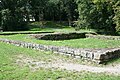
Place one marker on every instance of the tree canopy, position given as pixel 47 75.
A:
pixel 97 14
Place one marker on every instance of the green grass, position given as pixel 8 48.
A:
pixel 75 43
pixel 25 32
pixel 44 30
pixel 9 70
pixel 45 26
pixel 36 31
pixel 48 24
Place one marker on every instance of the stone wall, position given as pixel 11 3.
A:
pixel 95 55
pixel 58 36
pixel 103 37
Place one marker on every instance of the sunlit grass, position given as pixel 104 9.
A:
pixel 9 70
pixel 75 43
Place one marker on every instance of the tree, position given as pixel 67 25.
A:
pixel 38 7
pixel 116 18
pixel 12 14
pixel 99 14
pixel 70 7
pixel 86 9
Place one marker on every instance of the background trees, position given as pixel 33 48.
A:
pixel 116 8
pixel 97 14
pixel 13 14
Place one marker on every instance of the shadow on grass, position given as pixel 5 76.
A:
pixel 48 24
pixel 103 32
pixel 112 61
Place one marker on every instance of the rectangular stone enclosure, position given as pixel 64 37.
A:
pixel 58 36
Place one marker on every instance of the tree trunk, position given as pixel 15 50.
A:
pixel 69 19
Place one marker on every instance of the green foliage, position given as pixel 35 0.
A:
pixel 12 17
pixel 96 14
pixel 15 14
pixel 85 7
pixel 5 18
pixel 99 14
pixel 117 15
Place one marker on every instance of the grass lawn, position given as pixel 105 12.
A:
pixel 45 30
pixel 24 32
pixel 75 43
pixel 47 26
pixel 9 70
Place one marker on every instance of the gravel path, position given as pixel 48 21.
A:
pixel 34 65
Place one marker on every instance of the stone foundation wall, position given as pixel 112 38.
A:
pixel 58 36
pixel 96 55
pixel 103 37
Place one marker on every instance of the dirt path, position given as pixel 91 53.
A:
pixel 34 65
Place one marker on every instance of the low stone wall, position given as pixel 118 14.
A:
pixel 96 55
pixel 58 36
pixel 103 37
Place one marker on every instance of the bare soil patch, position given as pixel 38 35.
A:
pixel 60 64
